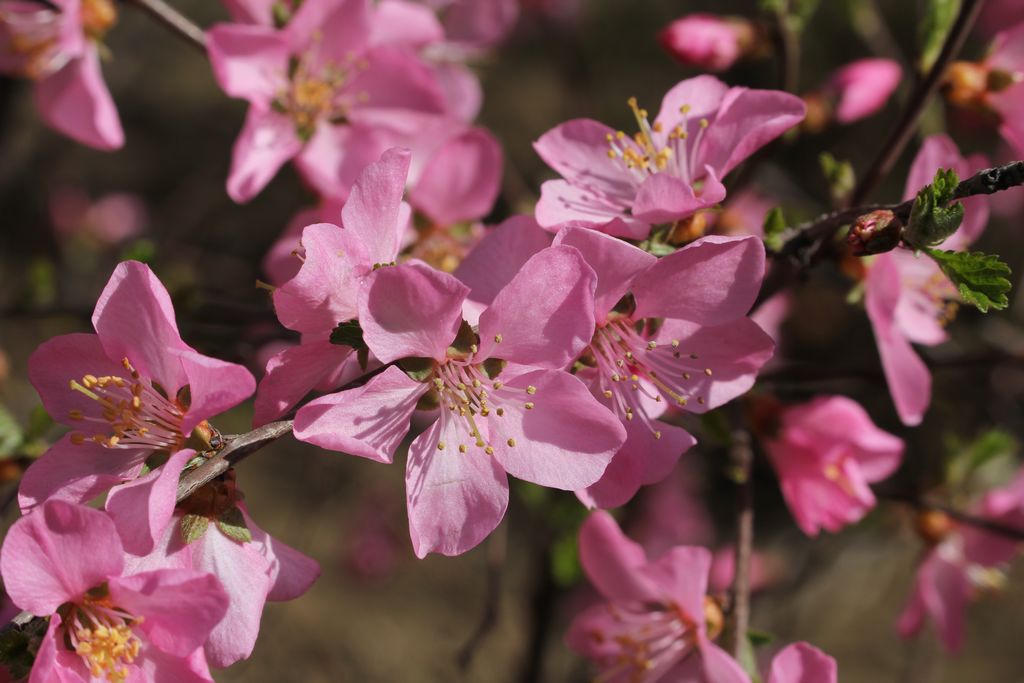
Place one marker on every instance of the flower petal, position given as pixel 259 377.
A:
pixel 371 213
pixel 76 101
pixel 57 553
pixel 461 179
pixel 296 371
pixel 803 663
pixel 142 508
pixel 614 563
pixel 578 151
pixel 215 386
pixel 369 421
pixel 663 198
pixel 267 141
pixel 249 62
pixel 68 357
pixel 563 203
pixel 711 281
pixel 331 161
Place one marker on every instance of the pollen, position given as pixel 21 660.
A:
pixel 511 443
pixel 102 636
pixel 531 390
pixel 497 339
pixel 529 405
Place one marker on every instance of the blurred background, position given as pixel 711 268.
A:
pixel 68 214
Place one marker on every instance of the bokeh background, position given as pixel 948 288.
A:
pixel 377 613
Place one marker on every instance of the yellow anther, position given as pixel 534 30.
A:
pixel 440 445
pixel 685 109
pixel 707 371
pixel 511 443
pixel 75 415
pixel 651 345
pixel 497 338
pixel 686 375
pixel 462 448
pixel 78 439
pixel 500 412
pixel 607 393
pixel 704 123
pixel 531 390
pixel 675 343
pixel 497 384
pixel 529 405
pixel 700 400
pixel 657 435
pixel 489 451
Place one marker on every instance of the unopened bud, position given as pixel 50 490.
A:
pixel 689 229
pixel 933 526
pixel 875 233
pixel 965 84
pixel 708 41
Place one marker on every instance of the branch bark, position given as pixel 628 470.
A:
pixel 741 456
pixel 177 22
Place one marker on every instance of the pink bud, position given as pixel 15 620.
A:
pixel 863 87
pixel 707 41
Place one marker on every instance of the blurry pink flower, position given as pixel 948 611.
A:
pixel 863 87
pixel 705 352
pixel 968 560
pixel 109 220
pixel 320 93
pixel 1005 83
pixel 65 562
pixel 476 24
pixel 803 663
pixel 460 180
pixel 335 261
pixel 996 15
pixel 529 419
pixel 658 623
pixel 135 389
pixel 707 41
pixel 743 214
pixel 826 453
pixel 59 50
pixel 908 298
pixel 671 169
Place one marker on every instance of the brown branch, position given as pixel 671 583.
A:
pixel 788 41
pixel 918 102
pixel 177 22
pixel 237 448
pixel 741 457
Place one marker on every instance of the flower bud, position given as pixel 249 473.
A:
pixel 965 84
pixel 863 87
pixel 687 230
pixel 708 41
pixel 933 526
pixel 875 233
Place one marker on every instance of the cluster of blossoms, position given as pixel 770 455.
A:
pixel 560 347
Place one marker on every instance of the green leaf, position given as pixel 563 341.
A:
pixel 232 524
pixel 971 458
pixel 759 638
pixel 10 433
pixel 839 175
pixel 774 225
pixel 748 659
pixel 39 423
pixel 931 220
pixel 933 28
pixel 348 333
pixel 193 527
pixel 419 369
pixel 565 561
pixel 981 279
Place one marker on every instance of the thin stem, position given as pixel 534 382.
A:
pixel 919 99
pixel 174 20
pixel 238 447
pixel 789 50
pixel 741 457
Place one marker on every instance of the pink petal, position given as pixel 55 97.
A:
pixel 75 101
pixel 154 666
pixel 734 353
pixel 746 122
pixel 682 576
pixel 323 294
pixel 347 22
pixel 663 198
pixel 267 141
pixel 702 94
pixel 578 151
pixel 719 666
pixel 711 281
pixel 215 386
pixel 291 572
pixel 405 24
pixel 461 180
pixel 454 499
pixel 369 421
pixel 249 62
pixel 461 88
pixel 909 381
pixel 864 87
pixel 142 508
pixel 496 259
pixel 396 83
pixel 615 263
pixel 68 357
pixel 281 262
pixel 56 554
pixel 337 153
pixel 614 563
pixel 179 607
pixel 562 203
pixel 293 373
pixel 565 441
pixel 480 23
pixel 134 319
pixel 941 591
pixel 371 213
pixel 544 317
pixel 410 310
pixel 77 473
pixel 803 663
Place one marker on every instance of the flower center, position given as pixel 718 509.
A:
pixel 101 634
pixel 33 37
pixel 649 151
pixel 318 90
pixel 476 401
pixel 631 367
pixel 646 637
pixel 139 413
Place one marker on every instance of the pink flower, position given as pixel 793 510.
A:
pixel 998 14
pixel 908 298
pixel 705 352
pixel 707 41
pixel 59 50
pixel 65 562
pixel 108 220
pixel 476 24
pixel 657 623
pixel 319 92
pixel 1005 83
pixel 670 169
pixel 863 87
pixel 505 405
pixel 131 390
pixel 826 453
pixel 968 560
pixel 803 663
pixel 335 262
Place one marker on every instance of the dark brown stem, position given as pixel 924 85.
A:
pixel 960 516
pixel 789 50
pixel 741 457
pixel 918 102
pixel 174 20
pixel 497 547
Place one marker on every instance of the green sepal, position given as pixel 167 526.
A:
pixel 348 333
pixel 492 367
pixel 193 527
pixel 981 279
pixel 419 369
pixel 232 524
pixel 465 343
pixel 839 175
pixel 931 220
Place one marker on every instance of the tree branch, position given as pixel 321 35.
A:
pixel 741 457
pixel 174 20
pixel 919 99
